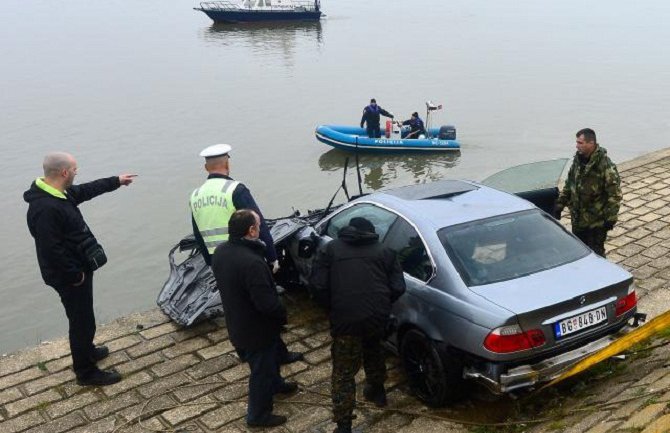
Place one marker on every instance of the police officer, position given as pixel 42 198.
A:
pixel 60 232
pixel 212 205
pixel 370 117
pixel 416 126
pixel 592 191
pixel 357 279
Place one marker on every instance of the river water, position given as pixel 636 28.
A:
pixel 143 86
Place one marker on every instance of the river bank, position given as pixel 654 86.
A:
pixel 178 379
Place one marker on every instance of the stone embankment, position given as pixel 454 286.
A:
pixel 190 379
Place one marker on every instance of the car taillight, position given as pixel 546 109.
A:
pixel 508 339
pixel 627 302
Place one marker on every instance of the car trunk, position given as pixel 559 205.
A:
pixel 546 300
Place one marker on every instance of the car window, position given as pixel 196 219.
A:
pixel 411 251
pixel 528 177
pixel 380 218
pixel 509 246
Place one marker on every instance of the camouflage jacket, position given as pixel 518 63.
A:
pixel 592 191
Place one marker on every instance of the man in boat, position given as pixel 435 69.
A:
pixel 370 117
pixel 416 126
pixel 212 205
pixel 592 191
pixel 254 315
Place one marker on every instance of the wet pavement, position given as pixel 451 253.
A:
pixel 189 380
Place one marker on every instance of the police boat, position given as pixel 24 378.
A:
pixel 228 11
pixel 354 138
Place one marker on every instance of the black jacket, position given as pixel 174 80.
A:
pixel 58 227
pixel 254 314
pixel 358 279
pixel 371 115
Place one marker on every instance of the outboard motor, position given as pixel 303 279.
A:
pixel 447 132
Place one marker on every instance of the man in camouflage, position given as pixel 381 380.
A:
pixel 357 279
pixel 592 192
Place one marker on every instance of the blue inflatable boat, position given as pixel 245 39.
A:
pixel 353 138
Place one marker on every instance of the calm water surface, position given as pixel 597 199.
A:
pixel 142 87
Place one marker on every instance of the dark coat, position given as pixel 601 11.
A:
pixel 415 125
pixel 371 115
pixel 58 227
pixel 254 314
pixel 358 279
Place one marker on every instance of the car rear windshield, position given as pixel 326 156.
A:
pixel 509 246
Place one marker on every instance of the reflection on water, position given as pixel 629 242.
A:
pixel 379 171
pixel 266 39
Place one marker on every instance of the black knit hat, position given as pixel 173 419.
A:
pixel 362 225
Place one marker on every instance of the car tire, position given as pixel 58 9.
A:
pixel 434 377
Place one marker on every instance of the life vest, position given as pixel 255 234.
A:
pixel 211 207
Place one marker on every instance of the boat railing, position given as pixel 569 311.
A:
pixel 277 5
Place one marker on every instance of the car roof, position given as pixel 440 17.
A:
pixel 449 202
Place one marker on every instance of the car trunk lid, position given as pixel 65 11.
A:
pixel 546 300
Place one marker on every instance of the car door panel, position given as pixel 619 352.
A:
pixel 536 182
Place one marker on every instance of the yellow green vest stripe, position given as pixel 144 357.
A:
pixel 211 207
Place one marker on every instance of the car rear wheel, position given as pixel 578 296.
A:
pixel 434 377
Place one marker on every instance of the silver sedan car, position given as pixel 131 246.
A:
pixel 498 291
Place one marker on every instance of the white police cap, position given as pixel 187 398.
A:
pixel 216 150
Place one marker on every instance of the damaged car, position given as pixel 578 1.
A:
pixel 498 291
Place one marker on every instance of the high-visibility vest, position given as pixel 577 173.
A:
pixel 211 207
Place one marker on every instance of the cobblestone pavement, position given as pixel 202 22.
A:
pixel 190 379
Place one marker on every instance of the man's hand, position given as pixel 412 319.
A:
pixel 275 266
pixel 83 277
pixel 126 179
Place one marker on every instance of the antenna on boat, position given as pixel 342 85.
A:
pixel 343 186
pixel 430 107
pixel 358 170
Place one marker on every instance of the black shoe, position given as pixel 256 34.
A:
pixel 99 378
pixel 343 427
pixel 287 388
pixel 270 421
pixel 375 394
pixel 292 357
pixel 99 353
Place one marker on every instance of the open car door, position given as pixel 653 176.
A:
pixel 536 182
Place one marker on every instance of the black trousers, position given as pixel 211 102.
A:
pixel 374 131
pixel 78 303
pixel 264 380
pixel 594 238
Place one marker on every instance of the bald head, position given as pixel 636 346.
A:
pixel 60 168
pixel 55 162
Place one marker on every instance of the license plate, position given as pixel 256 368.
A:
pixel 582 321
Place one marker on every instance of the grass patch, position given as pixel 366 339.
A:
pixel 556 425
pixel 650 401
pixel 42 366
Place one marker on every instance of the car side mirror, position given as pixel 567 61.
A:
pixel 306 248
